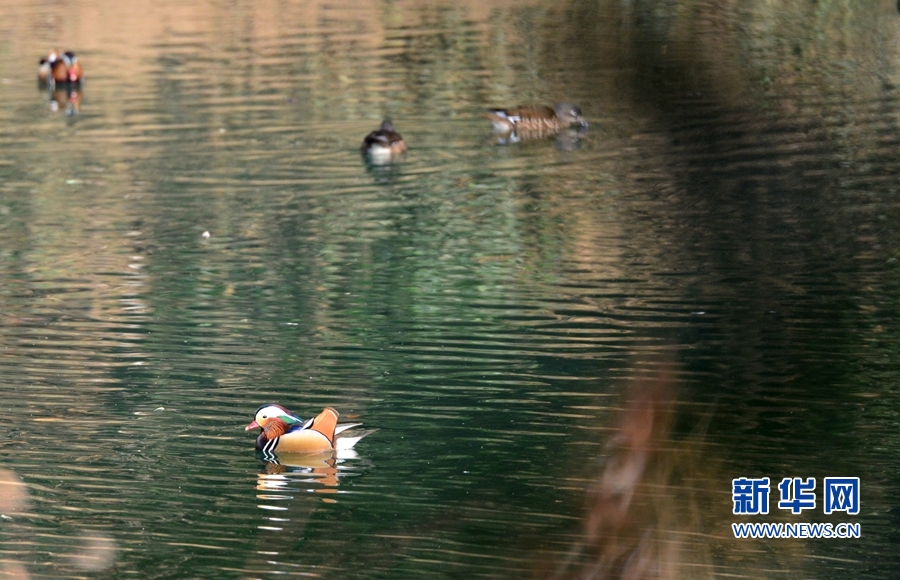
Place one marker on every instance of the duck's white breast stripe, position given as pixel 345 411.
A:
pixel 270 445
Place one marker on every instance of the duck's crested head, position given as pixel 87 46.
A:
pixel 387 126
pixel 570 114
pixel 269 413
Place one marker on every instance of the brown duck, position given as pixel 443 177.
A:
pixel 536 118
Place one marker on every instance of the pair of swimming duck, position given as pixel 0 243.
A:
pixel 385 144
pixel 60 68
pixel 283 432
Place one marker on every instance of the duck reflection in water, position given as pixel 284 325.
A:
pixel 283 470
pixel 66 99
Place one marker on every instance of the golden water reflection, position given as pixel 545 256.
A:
pixel 93 552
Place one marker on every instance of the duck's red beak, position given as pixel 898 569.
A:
pixel 253 425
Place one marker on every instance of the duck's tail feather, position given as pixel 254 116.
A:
pixel 344 426
pixel 348 441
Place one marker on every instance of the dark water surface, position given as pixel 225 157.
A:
pixel 726 227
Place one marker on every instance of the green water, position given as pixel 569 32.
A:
pixel 726 227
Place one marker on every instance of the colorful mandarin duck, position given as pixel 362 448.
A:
pixel 383 145
pixel 58 69
pixel 536 118
pixel 284 432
